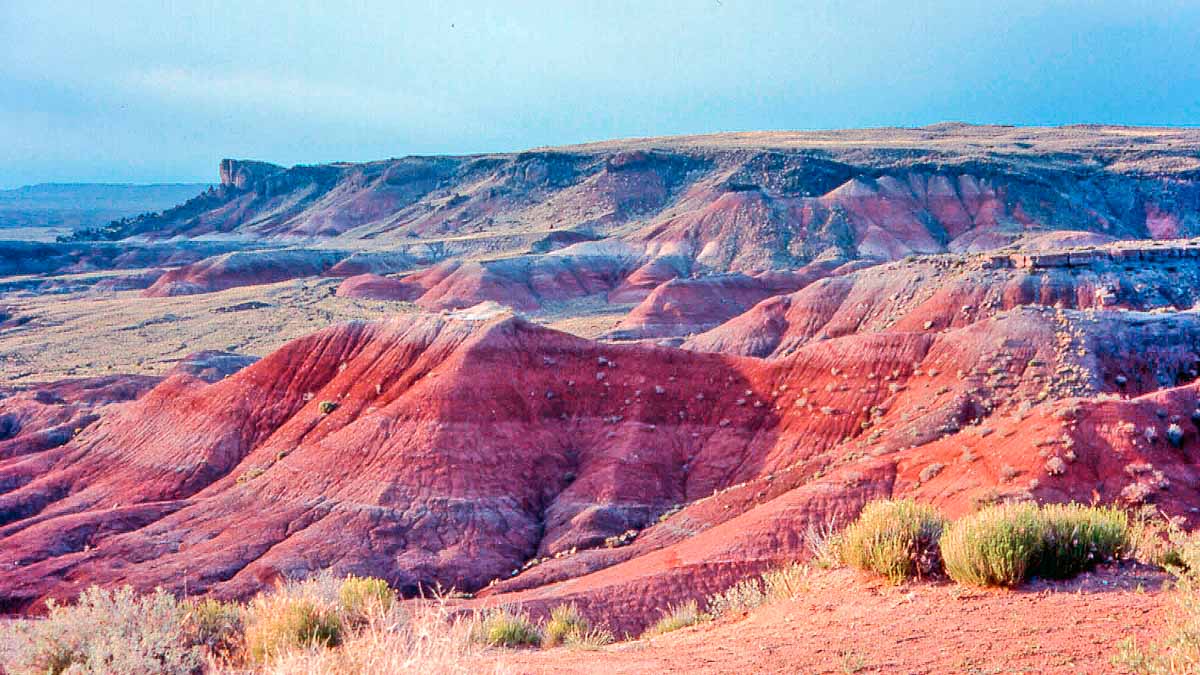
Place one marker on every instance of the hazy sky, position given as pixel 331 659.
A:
pixel 160 91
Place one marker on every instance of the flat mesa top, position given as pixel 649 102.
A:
pixel 1116 148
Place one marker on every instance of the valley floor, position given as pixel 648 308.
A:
pixel 848 624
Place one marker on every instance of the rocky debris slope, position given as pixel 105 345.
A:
pixel 936 293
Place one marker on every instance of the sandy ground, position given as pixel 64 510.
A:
pixel 82 334
pixel 846 624
pixel 90 333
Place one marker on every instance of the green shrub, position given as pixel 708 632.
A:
pixel 504 627
pixel 997 546
pixel 676 617
pixel 327 407
pixel 1075 538
pixel 363 597
pixel 284 621
pixel 108 632
pixel 895 539
pixel 565 621
pixel 1004 545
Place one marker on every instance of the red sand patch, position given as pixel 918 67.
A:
pixel 846 623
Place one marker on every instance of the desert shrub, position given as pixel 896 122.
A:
pixel 360 598
pixel 108 632
pixel 676 617
pixel 895 539
pixel 327 407
pixel 778 584
pixel 504 627
pixel 997 546
pixel 565 621
pixel 1156 540
pixel 214 625
pixel 286 620
pixel 1004 545
pixel 1074 538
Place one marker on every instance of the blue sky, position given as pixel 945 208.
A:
pixel 160 91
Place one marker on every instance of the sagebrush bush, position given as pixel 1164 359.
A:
pixel 361 598
pixel 565 621
pixel 676 617
pixel 1075 538
pixel 1004 545
pixel 996 546
pixel 289 620
pixel 896 539
pixel 504 627
pixel 117 632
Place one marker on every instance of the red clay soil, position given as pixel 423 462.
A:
pixel 461 451
pixel 845 623
pixel 686 306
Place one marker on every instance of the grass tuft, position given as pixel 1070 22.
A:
pixel 504 627
pixel 361 598
pixel 1178 650
pixel 289 620
pixel 565 621
pixel 676 617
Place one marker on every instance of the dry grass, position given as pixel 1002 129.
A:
pixel 1178 650
pixel 72 335
pixel 425 638
pixel 676 617
pixel 779 584
pixel 283 622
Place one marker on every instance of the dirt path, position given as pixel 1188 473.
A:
pixel 845 624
